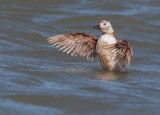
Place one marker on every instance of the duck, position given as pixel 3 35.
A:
pixel 113 53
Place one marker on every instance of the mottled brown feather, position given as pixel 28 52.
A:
pixel 78 43
pixel 121 52
pixel 124 53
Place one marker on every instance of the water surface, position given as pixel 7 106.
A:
pixel 36 78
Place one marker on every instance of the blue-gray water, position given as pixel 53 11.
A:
pixel 37 79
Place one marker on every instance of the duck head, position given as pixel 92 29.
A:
pixel 105 27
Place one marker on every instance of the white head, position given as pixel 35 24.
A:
pixel 105 27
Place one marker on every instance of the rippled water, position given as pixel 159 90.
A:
pixel 37 79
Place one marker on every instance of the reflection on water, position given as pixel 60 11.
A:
pixel 106 76
pixel 98 73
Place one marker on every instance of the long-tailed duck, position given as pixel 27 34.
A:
pixel 113 53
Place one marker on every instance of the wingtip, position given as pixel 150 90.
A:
pixel 49 40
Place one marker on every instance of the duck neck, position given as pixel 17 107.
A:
pixel 110 34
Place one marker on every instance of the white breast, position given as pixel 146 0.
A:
pixel 108 38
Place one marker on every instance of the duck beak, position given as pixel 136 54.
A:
pixel 96 27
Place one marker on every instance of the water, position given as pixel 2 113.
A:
pixel 37 79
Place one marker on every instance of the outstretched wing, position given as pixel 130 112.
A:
pixel 124 52
pixel 76 43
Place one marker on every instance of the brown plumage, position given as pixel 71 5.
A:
pixel 124 53
pixel 116 56
pixel 113 53
pixel 76 43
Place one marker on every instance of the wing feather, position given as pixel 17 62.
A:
pixel 124 53
pixel 78 43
